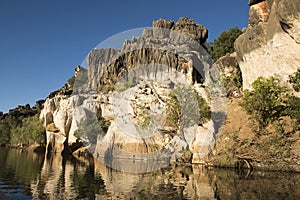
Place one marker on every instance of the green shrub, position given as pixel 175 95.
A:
pixel 173 111
pixel 144 116
pixel 232 83
pixel 293 102
pixel 71 81
pixel 295 80
pixel 90 127
pixel 293 110
pixel 265 103
pixel 204 110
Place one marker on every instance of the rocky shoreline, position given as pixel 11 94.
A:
pixel 117 97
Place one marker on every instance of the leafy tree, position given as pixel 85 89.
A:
pixel 30 131
pixel 265 103
pixel 4 132
pixel 225 43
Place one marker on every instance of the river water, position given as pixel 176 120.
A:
pixel 27 175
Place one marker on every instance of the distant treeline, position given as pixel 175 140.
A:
pixel 22 127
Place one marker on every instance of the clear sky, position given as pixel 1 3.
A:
pixel 42 41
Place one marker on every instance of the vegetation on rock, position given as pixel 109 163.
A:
pixel 269 101
pixel 233 83
pixel 295 80
pixel 174 110
pixel 144 116
pixel 293 102
pixel 90 127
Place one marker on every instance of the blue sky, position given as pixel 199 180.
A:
pixel 41 42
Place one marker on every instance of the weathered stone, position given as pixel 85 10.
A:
pixel 52 128
pixel 289 18
pixel 228 65
pixel 99 62
pixel 270 45
pixel 163 23
pixel 258 13
pixel 168 51
pixel 196 31
pixel 55 142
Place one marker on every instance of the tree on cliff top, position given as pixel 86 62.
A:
pixel 225 43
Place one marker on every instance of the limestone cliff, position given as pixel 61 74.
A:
pixel 128 90
pixel 270 46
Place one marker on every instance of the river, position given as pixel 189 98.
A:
pixel 27 175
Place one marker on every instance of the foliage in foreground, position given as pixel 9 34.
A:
pixel 269 101
pixel 265 103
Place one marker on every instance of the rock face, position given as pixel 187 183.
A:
pixel 105 69
pixel 231 73
pixel 151 63
pixel 128 90
pixel 185 26
pixel 58 116
pixel 270 45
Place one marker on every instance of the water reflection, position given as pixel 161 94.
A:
pixel 17 170
pixel 25 175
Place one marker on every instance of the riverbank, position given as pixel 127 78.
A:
pixel 34 148
pixel 277 148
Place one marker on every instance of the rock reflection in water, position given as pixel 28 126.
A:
pixel 25 175
pixel 173 182
pixel 64 177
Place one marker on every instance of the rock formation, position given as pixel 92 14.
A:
pixel 270 45
pixel 231 73
pixel 128 89
pixel 57 115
